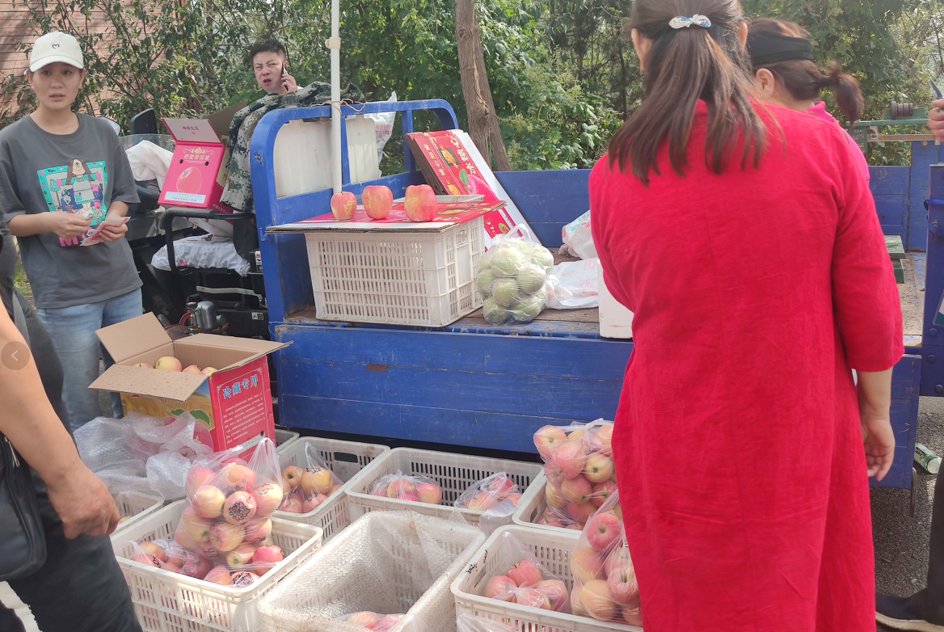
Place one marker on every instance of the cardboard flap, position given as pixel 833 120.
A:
pixel 252 347
pixel 141 381
pixel 191 131
pixel 132 337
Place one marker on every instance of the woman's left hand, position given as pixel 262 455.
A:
pixel 879 439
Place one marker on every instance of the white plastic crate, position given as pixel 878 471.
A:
pixel 384 563
pixel 170 602
pixel 397 278
pixel 553 551
pixel 133 505
pixel 455 473
pixel 532 506
pixel 346 459
pixel 284 438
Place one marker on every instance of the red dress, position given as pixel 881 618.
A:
pixel 738 444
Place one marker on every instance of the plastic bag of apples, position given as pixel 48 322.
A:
pixel 496 495
pixel 605 585
pixel 402 486
pixel 306 488
pixel 227 525
pixel 524 580
pixel 578 463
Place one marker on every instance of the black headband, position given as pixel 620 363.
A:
pixel 767 48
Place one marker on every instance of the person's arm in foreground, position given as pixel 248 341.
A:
pixel 30 423
pixel 875 399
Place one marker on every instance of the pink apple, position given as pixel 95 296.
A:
pixel 292 475
pixel 147 559
pixel 244 578
pixel 553 498
pixel 576 606
pixel 195 526
pixel 192 368
pixel 184 539
pixel 499 484
pixel 482 501
pixel 388 622
pixel 322 481
pixel 343 205
pixel 268 497
pixel 570 458
pixel 632 615
pixel 546 440
pixel 420 204
pixel 219 575
pixel 313 502
pixel 176 554
pixel 603 531
pixel 364 618
pixel 532 597
pixel 196 566
pixel 601 438
pixel 197 477
pixel 580 513
pixel 238 476
pixel 378 200
pixel 596 600
pixel 258 530
pixel 619 556
pixel 599 468
pixel 500 587
pixel 525 573
pixel 168 363
pixel 293 504
pixel 208 502
pixel 240 556
pixel 225 537
pixel 602 491
pixel 576 490
pixel 239 508
pixel 402 489
pixel 266 557
pixel 623 587
pixel 555 476
pixel 556 593
pixel 155 550
pixel 142 365
pixel 586 565
pixel 430 493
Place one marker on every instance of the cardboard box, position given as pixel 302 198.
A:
pixel 452 165
pixel 234 404
pixel 197 171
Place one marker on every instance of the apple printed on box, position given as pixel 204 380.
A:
pixel 605 586
pixel 578 463
pixel 523 580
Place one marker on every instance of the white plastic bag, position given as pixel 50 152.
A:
pixel 577 238
pixel 573 285
pixel 383 126
pixel 512 278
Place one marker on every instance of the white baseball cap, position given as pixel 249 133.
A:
pixel 56 46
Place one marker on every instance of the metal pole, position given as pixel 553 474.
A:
pixel 334 44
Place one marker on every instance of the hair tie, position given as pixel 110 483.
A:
pixel 684 22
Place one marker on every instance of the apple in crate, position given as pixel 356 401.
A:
pixel 378 200
pixel 343 204
pixel 420 203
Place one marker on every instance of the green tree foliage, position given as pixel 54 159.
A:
pixel 563 76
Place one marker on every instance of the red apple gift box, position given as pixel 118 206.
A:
pixel 227 526
pixel 578 463
pixel 522 579
pixel 309 485
pixel 605 586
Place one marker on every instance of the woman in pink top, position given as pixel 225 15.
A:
pixel 786 74
pixel 742 238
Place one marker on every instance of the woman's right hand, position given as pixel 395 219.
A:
pixel 67 225
pixel 879 440
pixel 83 503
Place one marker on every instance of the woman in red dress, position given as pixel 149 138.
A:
pixel 747 244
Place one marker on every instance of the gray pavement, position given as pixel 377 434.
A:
pixel 901 541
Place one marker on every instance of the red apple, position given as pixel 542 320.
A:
pixel 420 203
pixel 168 363
pixel 532 597
pixel 192 368
pixel 585 564
pixel 525 573
pixel 596 600
pixel 208 501
pixel 623 587
pixel 576 490
pixel 430 493
pixel 378 200
pixel 603 530
pixel 556 593
pixel 343 205
pixel 500 587
pixel 546 440
pixel 599 468
pixel 571 457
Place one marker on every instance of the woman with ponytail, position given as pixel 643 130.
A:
pixel 785 73
pixel 758 277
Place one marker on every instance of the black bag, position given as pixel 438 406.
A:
pixel 22 539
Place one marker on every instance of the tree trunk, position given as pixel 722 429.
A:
pixel 483 121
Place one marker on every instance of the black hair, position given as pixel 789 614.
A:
pixel 269 45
